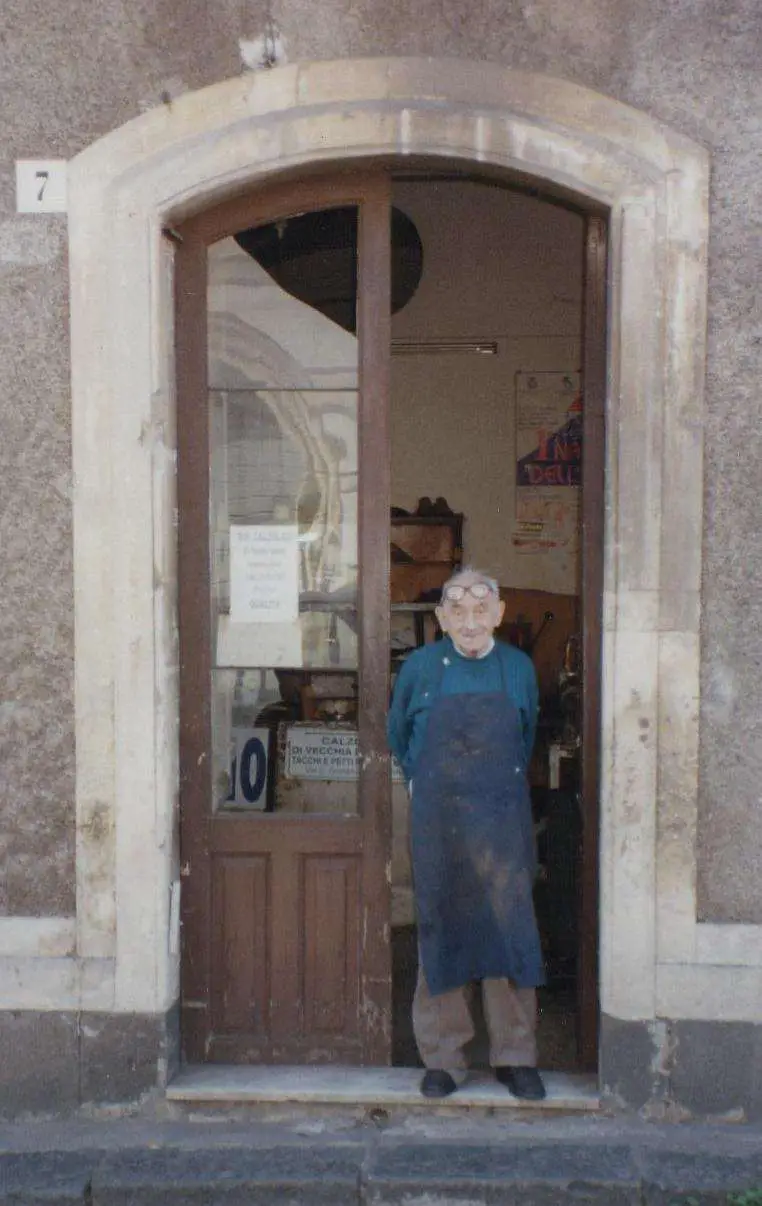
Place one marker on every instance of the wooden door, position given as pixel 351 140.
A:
pixel 593 482
pixel 285 913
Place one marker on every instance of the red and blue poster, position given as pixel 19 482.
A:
pixel 548 461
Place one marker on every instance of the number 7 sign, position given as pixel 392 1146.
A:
pixel 41 186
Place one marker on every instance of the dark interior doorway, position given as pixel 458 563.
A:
pixel 495 330
pixel 496 299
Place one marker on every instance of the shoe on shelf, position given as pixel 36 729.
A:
pixel 437 1083
pixel 440 507
pixel 522 1082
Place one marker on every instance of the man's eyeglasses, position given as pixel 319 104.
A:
pixel 456 593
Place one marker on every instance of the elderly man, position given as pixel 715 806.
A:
pixel 462 726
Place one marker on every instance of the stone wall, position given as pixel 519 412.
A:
pixel 75 75
pixel 72 73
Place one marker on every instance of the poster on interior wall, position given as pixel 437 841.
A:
pixel 548 461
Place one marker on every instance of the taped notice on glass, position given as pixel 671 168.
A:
pixel 323 753
pixel 264 574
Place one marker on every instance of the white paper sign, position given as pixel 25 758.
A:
pixel 323 753
pixel 264 573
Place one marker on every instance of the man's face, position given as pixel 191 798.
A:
pixel 469 620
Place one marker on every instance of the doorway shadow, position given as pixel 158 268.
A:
pixel 556 1021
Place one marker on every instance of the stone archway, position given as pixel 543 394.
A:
pixel 136 183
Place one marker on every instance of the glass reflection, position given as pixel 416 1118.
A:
pixel 283 546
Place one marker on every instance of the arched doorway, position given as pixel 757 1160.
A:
pixel 287 918
pixel 159 170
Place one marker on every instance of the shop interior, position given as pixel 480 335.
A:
pixel 486 440
pixel 493 326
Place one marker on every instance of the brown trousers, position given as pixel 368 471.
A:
pixel 443 1025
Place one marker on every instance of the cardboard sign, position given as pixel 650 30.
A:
pixel 324 753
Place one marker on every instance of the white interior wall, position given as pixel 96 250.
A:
pixel 498 266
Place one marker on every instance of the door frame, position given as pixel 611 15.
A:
pixel 595 290
pixel 371 191
pixel 126 195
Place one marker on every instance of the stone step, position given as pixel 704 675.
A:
pixel 562 1162
pixel 369 1088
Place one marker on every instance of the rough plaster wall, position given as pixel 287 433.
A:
pixel 36 772
pixel 697 65
pixel 73 71
pixel 69 74
pixel 700 69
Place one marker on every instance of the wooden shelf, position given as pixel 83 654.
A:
pixel 435 545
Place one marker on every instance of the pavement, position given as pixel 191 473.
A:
pixel 377 1158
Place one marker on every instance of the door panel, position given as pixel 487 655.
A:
pixel 241 907
pixel 286 944
pixel 285 897
pixel 330 943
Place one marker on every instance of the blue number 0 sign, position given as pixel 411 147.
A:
pixel 248 771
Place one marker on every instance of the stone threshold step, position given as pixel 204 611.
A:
pixel 223 1084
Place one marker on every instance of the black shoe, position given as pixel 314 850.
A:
pixel 440 507
pixel 437 1083
pixel 522 1082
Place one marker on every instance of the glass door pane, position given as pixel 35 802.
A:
pixel 283 505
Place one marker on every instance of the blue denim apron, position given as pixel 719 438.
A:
pixel 473 846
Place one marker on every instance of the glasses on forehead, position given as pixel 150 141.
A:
pixel 457 592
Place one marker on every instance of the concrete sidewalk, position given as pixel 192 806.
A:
pixel 375 1161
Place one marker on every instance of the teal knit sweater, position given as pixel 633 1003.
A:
pixel 504 668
